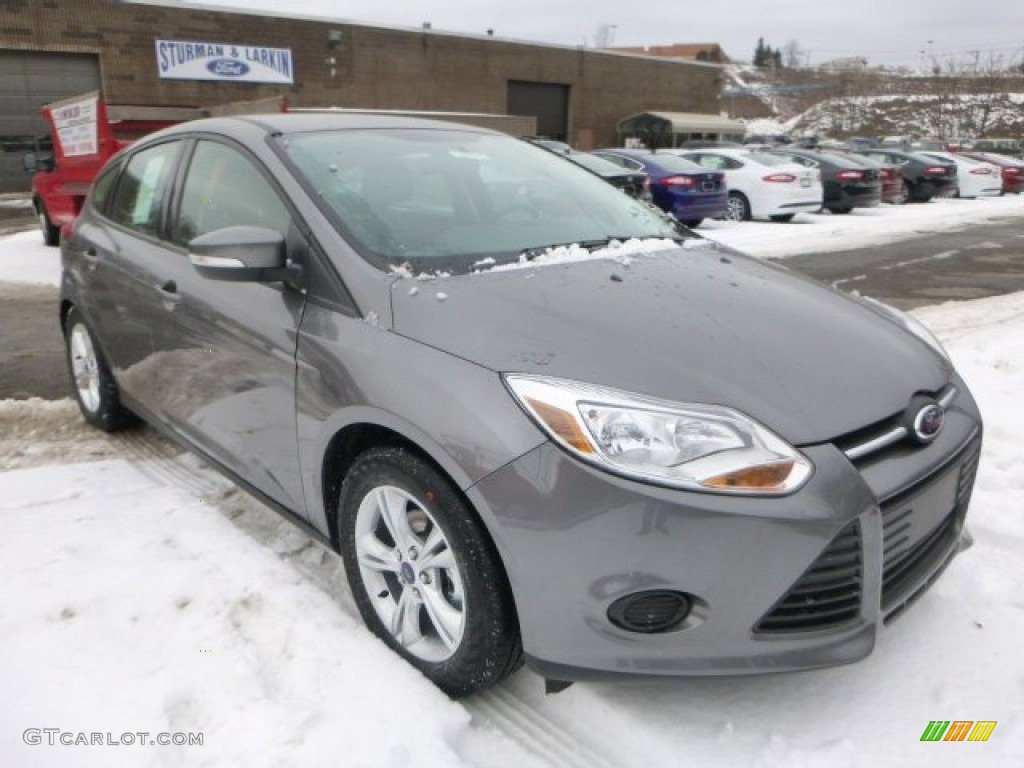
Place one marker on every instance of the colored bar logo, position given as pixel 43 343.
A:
pixel 958 730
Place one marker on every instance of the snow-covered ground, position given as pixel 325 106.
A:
pixel 863 227
pixel 141 592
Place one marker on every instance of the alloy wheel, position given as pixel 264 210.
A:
pixel 85 368
pixel 410 573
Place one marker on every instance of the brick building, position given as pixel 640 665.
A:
pixel 51 49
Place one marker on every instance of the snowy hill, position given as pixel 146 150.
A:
pixel 921 114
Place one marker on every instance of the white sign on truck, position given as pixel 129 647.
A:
pixel 74 123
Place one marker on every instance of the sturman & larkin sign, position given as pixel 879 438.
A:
pixel 191 60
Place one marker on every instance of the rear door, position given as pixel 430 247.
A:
pixel 118 251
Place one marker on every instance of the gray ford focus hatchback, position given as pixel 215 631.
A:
pixel 539 421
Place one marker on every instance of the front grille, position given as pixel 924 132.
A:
pixel 875 438
pixel 912 546
pixel 827 595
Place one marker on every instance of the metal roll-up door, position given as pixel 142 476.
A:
pixel 548 102
pixel 29 79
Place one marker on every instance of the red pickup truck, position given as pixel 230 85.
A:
pixel 86 132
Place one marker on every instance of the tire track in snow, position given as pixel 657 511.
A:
pixel 157 458
pixel 523 724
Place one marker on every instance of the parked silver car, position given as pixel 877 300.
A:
pixel 537 421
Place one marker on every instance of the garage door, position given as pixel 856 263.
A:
pixel 548 102
pixel 29 79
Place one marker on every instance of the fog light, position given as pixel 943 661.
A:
pixel 658 610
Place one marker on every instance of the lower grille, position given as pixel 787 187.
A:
pixel 912 551
pixel 827 595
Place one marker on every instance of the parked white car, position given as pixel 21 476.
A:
pixel 761 185
pixel 974 178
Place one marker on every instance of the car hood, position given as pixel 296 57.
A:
pixel 700 324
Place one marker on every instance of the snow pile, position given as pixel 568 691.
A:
pixel 766 127
pixel 619 251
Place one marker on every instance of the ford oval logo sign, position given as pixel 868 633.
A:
pixel 928 422
pixel 228 68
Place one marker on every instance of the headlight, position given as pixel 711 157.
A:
pixel 697 447
pixel 910 323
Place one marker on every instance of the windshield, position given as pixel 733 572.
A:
pixel 435 200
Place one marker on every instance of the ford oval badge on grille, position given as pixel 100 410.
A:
pixel 928 422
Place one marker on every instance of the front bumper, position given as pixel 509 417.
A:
pixel 575 539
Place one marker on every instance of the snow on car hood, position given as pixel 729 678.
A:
pixel 697 325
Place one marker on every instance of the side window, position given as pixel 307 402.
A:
pixel 103 186
pixel 714 162
pixel 139 197
pixel 224 189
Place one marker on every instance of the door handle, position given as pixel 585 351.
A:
pixel 169 291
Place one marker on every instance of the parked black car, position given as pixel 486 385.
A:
pixel 923 177
pixel 848 182
pixel 634 183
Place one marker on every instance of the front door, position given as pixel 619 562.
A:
pixel 228 348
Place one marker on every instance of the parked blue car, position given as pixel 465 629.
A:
pixel 679 186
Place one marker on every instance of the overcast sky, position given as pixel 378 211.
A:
pixel 889 32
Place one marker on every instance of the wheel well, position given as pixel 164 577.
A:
pixel 342 452
pixel 65 307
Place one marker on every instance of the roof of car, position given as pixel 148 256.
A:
pixel 303 122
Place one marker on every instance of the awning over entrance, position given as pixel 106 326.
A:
pixel 670 129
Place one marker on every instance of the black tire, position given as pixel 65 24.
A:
pixel 840 211
pixel 51 233
pixel 489 648
pixel 692 223
pixel 908 193
pixel 739 207
pixel 782 217
pixel 100 404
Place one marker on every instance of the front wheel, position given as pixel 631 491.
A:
pixel 424 573
pixel 51 232
pixel 91 379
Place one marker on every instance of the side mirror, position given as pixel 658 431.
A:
pixel 243 254
pixel 33 162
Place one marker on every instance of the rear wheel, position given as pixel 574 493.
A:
pixel 842 210
pixel 907 192
pixel 692 223
pixel 782 217
pixel 51 233
pixel 424 573
pixel 91 379
pixel 738 207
